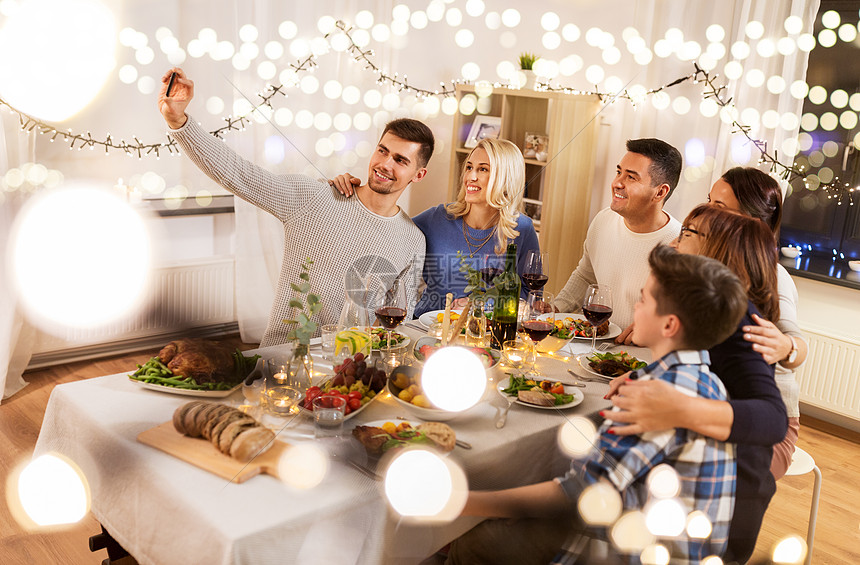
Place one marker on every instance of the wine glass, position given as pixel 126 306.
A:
pixel 597 307
pixel 539 318
pixel 533 276
pixel 492 266
pixel 392 310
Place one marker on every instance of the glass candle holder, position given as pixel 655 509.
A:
pixel 282 400
pixel 515 354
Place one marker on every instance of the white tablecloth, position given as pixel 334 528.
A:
pixel 163 510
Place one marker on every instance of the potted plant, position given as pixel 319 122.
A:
pixel 527 61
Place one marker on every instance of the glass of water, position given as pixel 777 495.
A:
pixel 328 416
pixel 327 339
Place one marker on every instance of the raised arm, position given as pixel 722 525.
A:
pixel 181 93
pixel 280 195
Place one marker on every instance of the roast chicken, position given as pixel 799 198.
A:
pixel 203 360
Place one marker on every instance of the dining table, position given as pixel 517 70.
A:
pixel 163 510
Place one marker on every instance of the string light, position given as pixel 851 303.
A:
pixel 341 34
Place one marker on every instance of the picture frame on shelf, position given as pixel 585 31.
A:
pixel 536 146
pixel 482 128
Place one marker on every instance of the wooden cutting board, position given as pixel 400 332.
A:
pixel 201 453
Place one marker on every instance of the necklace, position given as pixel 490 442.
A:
pixel 474 243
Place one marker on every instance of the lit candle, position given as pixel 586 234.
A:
pixel 280 377
pixel 134 195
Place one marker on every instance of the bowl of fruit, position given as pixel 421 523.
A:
pixel 404 384
pixel 355 380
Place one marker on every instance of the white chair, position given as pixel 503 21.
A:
pixel 802 463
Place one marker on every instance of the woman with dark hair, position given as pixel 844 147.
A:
pixel 755 417
pixel 752 192
pixel 778 338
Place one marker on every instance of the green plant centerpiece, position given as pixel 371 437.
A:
pixel 307 304
pixel 527 60
pixel 479 291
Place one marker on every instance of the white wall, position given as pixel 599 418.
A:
pixel 829 308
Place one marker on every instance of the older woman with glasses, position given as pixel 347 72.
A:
pixel 755 417
pixel 779 339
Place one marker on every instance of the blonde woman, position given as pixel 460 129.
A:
pixel 485 216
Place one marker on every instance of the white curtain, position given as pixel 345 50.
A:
pixel 16 335
pixel 718 138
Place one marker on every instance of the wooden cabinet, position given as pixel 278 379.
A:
pixel 558 192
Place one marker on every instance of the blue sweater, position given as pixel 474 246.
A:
pixel 444 237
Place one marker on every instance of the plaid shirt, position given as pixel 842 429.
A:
pixel 706 466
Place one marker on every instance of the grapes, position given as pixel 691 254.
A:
pixel 358 357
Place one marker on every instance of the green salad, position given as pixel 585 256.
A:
pixel 517 383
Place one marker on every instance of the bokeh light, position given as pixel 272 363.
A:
pixel 71 252
pixel 799 89
pixel 754 29
pixel 791 550
pixel 454 378
pixel 827 38
pixel 50 490
pixel 665 517
pixel 663 481
pixel 419 484
pixel 303 466
pixel 654 554
pixel 817 95
pixel 699 525
pixel 49 62
pixel 831 19
pixel 793 24
pixel 599 504
pixel 806 42
pixel 630 533
pixel 577 437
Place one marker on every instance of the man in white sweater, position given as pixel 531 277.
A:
pixel 319 223
pixel 620 237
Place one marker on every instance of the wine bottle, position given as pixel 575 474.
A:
pixel 508 301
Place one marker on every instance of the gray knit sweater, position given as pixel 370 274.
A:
pixel 319 224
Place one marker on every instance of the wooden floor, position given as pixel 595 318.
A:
pixel 836 451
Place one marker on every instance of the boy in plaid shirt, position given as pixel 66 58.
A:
pixel 689 303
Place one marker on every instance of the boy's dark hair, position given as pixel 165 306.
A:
pixel 416 132
pixel 704 294
pixel 665 161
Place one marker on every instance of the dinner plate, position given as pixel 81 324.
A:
pixel 397 422
pixel 583 362
pixel 427 318
pixel 403 343
pixel 578 396
pixel 188 392
pixel 614 329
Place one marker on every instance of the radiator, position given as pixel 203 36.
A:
pixel 194 295
pixel 830 378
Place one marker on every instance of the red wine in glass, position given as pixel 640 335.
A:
pixel 597 314
pixel 597 307
pixel 537 329
pixel 489 273
pixel 534 281
pixel 390 316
